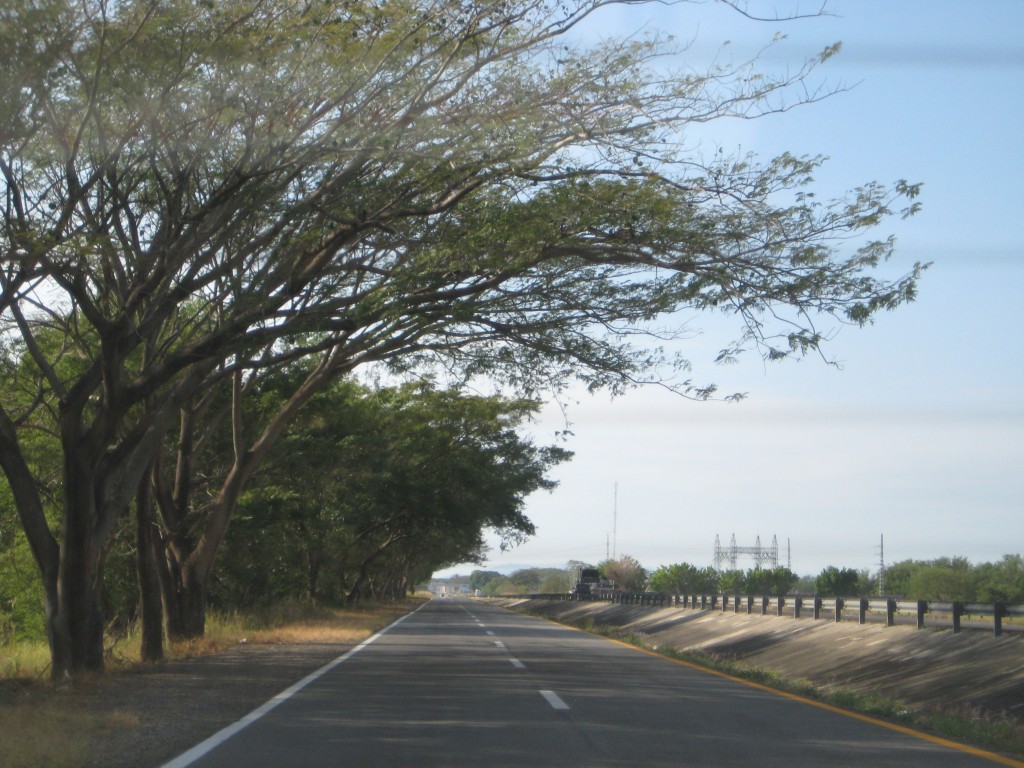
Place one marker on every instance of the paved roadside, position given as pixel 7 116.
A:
pixel 169 707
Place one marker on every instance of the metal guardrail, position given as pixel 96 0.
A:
pixel 799 605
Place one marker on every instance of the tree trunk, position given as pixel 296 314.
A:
pixel 150 603
pixel 313 564
pixel 184 598
pixel 77 623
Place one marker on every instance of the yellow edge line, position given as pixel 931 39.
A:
pixel 995 758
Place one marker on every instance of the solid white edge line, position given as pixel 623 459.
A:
pixel 554 700
pixel 202 748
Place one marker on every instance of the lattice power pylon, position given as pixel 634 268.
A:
pixel 763 556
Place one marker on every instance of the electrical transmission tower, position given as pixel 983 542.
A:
pixel 730 555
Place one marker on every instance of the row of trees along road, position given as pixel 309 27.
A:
pixel 367 493
pixel 944 579
pixel 371 492
pixel 196 194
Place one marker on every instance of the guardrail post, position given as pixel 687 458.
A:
pixel 817 607
pixel 779 605
pixel 862 615
pixel 764 605
pixel 725 603
pixel 840 604
pixel 750 603
pixel 922 609
pixel 735 603
pixel 798 603
pixel 890 612
pixel 998 611
pixel 958 611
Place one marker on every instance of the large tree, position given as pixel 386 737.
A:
pixel 626 572
pixel 684 578
pixel 373 491
pixel 194 192
pixel 837 582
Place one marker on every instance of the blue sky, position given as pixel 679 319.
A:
pixel 920 436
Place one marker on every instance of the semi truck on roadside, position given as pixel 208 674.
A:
pixel 589 585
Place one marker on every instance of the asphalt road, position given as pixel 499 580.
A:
pixel 460 683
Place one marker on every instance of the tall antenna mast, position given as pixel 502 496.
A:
pixel 615 517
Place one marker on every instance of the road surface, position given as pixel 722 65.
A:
pixel 463 683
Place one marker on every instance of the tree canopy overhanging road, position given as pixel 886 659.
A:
pixel 198 195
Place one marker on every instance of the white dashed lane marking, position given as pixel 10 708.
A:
pixel 554 700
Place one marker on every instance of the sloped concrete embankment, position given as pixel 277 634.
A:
pixel 969 672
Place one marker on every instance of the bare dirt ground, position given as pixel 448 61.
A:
pixel 969 673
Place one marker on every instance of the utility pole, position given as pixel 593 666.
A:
pixel 881 565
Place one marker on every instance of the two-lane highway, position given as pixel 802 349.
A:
pixel 462 683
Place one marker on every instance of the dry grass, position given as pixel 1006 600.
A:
pixel 307 632
pixel 24 661
pixel 39 727
pixel 292 623
pixel 43 728
pixel 44 732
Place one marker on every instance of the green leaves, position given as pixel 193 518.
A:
pixel 368 481
pixel 196 190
